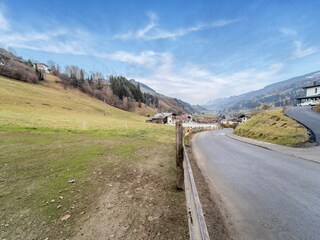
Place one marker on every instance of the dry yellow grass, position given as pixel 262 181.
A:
pixel 317 108
pixel 31 105
pixel 273 127
pixel 144 110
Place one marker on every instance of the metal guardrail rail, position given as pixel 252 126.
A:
pixel 197 225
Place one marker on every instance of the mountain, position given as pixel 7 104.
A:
pixel 144 88
pixel 168 104
pixel 279 94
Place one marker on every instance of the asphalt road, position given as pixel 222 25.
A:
pixel 268 195
pixel 308 118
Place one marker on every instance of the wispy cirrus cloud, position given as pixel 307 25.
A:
pixel 61 40
pixel 146 58
pixel 300 52
pixel 4 25
pixel 152 31
pixel 287 32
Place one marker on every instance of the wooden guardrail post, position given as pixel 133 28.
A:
pixel 179 155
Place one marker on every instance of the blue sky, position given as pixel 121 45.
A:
pixel 193 50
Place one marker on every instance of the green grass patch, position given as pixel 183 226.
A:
pixel 273 127
pixel 125 149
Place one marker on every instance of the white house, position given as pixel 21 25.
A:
pixel 312 94
pixel 42 66
pixel 243 118
pixel 162 118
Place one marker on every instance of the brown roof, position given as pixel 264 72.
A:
pixel 183 117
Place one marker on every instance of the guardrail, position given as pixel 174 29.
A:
pixel 197 224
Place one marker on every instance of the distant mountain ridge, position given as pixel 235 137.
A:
pixel 168 103
pixel 143 87
pixel 280 94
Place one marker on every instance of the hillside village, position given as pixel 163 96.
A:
pixel 198 120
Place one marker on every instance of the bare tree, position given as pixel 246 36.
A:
pixel 5 60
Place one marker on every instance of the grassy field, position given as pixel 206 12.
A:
pixel 273 127
pixel 64 155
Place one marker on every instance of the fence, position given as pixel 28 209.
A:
pixel 196 221
pixel 197 224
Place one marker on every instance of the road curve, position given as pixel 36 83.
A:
pixel 269 195
pixel 307 117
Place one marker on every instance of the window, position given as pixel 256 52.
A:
pixel 315 90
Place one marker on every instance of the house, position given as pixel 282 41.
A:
pixel 183 118
pixel 162 118
pixel 42 67
pixel 312 95
pixel 207 120
pixel 230 122
pixel 242 118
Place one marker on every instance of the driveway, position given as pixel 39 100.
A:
pixel 307 117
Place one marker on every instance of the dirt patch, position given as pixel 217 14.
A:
pixel 78 186
pixel 138 201
pixel 217 220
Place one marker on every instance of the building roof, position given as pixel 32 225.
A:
pixel 183 117
pixel 311 86
pixel 161 115
pixel 43 64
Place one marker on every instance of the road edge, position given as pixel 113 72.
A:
pixel 217 219
pixel 272 147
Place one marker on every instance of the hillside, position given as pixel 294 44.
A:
pixel 274 127
pixel 279 94
pixel 117 91
pixel 70 162
pixel 62 109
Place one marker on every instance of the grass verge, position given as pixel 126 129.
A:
pixel 316 108
pixel 274 127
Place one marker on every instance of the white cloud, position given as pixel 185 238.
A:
pixel 152 32
pixel 62 48
pixel 56 41
pixel 193 83
pixel 300 52
pixel 4 25
pixel 148 59
pixel 31 36
pixel 287 32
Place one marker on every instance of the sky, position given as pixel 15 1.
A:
pixel 196 51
